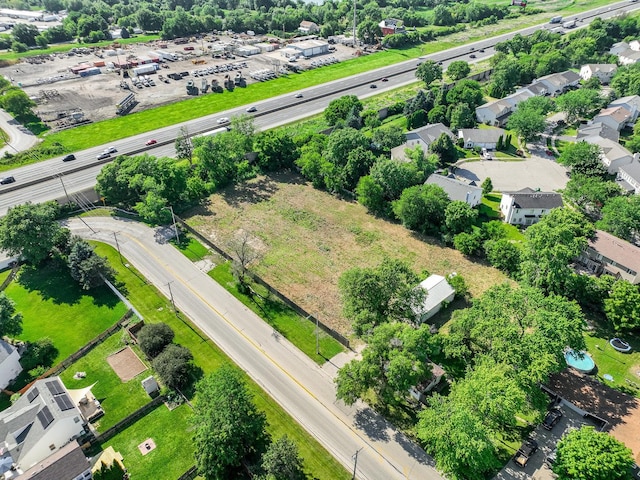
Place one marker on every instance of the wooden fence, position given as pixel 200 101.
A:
pixel 283 298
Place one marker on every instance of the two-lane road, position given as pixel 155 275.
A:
pixel 301 387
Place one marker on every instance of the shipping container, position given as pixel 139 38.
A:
pixel 144 69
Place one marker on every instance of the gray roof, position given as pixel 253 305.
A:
pixel 66 464
pixel 454 188
pixel 602 67
pixel 6 349
pixel 528 198
pixel 430 133
pixel 484 135
pixel 616 249
pixel 24 423
pixel 599 129
pixel 632 169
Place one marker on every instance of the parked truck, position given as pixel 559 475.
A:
pixel 569 24
pixel 144 69
pixel 557 19
pixel 164 55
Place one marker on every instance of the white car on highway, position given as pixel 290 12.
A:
pixel 223 120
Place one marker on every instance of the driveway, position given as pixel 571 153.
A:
pixel 538 171
pixel 305 390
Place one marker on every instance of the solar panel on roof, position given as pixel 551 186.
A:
pixel 64 402
pixel 54 387
pixel 33 393
pixel 45 417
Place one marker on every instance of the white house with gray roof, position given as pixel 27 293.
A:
pixel 481 137
pixel 457 189
pixel 616 117
pixel 558 83
pixel 597 129
pixel 613 155
pixel 495 112
pixel 629 177
pixel 527 206
pixel 38 424
pixel 602 71
pixel 68 463
pixel 10 366
pixel 426 135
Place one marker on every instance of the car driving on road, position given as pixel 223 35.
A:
pixel 103 155
pixel 153 141
pixel 252 109
pixel 223 120
pixel 68 158
pixel 110 150
pixel 7 180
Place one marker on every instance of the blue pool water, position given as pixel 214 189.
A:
pixel 583 363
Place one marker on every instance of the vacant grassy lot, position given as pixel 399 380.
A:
pixel 171 429
pixel 54 306
pixel 308 238
pixel 118 399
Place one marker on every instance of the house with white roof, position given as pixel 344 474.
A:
pixel 481 137
pixel 629 177
pixel 438 292
pixel 527 206
pixel 10 366
pixel 608 254
pixel 41 422
pixel 602 71
pixel 455 189
pixel 628 57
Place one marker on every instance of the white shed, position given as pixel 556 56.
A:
pixel 438 292
pixel 10 366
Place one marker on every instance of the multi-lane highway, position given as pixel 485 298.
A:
pixel 45 180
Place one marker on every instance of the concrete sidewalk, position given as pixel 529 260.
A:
pixel 20 138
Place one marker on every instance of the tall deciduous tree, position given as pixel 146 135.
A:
pixel 621 217
pixel 373 296
pixel 458 69
pixel 623 305
pixel 339 108
pixel 17 102
pixel 429 71
pixel 585 453
pixel 578 103
pixel 395 359
pixel 229 429
pixel 457 438
pixel 528 123
pixel 10 320
pixel 87 268
pixel 30 230
pixel 584 159
pixel 459 217
pixel 422 208
pixel 174 365
pixel 281 461
pixel 154 337
pixel 589 194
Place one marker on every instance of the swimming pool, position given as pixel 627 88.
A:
pixel 581 361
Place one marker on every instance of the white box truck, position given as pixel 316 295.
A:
pixel 569 24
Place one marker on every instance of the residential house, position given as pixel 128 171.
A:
pixel 419 391
pixel 597 129
pixel 39 423
pixel 631 103
pixel 439 292
pixel 537 89
pixel 456 189
pixel 481 137
pixel 558 83
pixel 518 96
pixel 10 366
pixel 618 48
pixel 602 71
pixel 628 57
pixel 68 463
pixel 389 26
pixel 606 253
pixel 629 177
pixel 527 206
pixel 308 28
pixel 425 136
pixel 615 117
pixel 614 155
pixel 494 113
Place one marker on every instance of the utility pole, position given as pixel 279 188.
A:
pixel 354 24
pixel 317 335
pixel 64 188
pixel 175 227
pixel 117 245
pixel 173 303
pixel 355 462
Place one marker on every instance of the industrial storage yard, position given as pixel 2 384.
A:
pixel 87 85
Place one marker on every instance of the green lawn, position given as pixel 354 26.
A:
pixel 118 399
pixel 623 367
pixel 191 248
pixel 490 206
pixel 54 306
pixel 297 330
pixel 155 308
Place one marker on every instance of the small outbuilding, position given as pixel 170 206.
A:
pixel 151 386
pixel 438 292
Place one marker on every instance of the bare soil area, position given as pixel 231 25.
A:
pixel 96 96
pixel 308 238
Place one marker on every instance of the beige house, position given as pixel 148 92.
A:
pixel 608 254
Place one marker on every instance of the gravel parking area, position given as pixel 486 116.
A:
pixel 60 94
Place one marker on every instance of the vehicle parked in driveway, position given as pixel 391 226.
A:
pixel 68 158
pixel 552 418
pixel 7 180
pixel 525 452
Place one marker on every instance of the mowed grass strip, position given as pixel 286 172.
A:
pixel 154 307
pixel 118 399
pixel 309 238
pixel 53 305
pixel 298 330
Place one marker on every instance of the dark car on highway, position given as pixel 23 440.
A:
pixel 7 180
pixel 69 157
pixel 552 418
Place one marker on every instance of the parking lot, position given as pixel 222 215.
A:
pixel 64 98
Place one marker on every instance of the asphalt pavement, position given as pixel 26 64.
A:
pixel 303 388
pixel 19 137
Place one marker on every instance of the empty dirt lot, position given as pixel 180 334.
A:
pixel 308 238
pixel 96 96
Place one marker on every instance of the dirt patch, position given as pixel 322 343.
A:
pixel 621 410
pixel 126 364
pixel 310 238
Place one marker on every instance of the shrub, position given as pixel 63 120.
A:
pixel 154 337
pixel 174 365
